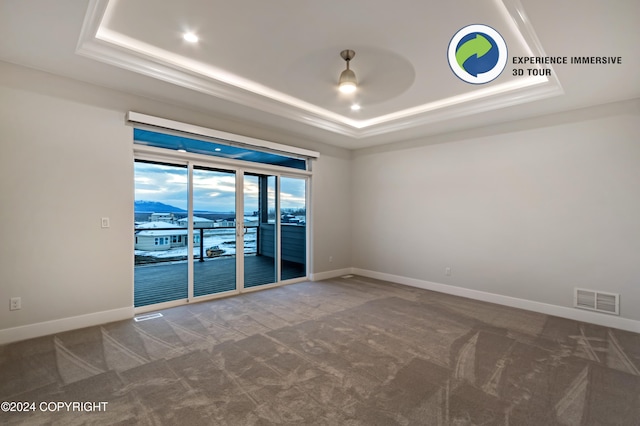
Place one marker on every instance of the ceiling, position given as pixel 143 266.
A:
pixel 276 64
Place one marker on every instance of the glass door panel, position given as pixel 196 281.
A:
pixel 161 248
pixel 260 228
pixel 191 212
pixel 293 228
pixel 214 231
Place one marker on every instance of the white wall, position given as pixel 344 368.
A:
pixel 63 166
pixel 332 215
pixel 67 161
pixel 528 210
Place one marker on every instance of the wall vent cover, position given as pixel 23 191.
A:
pixel 147 317
pixel 597 301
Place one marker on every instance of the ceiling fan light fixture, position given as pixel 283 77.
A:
pixel 190 37
pixel 347 82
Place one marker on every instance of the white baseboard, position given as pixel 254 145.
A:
pixel 604 320
pixel 30 331
pixel 318 276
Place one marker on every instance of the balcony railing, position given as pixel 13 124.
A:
pixel 161 274
pixel 168 244
pixel 171 244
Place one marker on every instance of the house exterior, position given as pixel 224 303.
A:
pixel 225 223
pixel 198 222
pixel 157 236
pixel 161 217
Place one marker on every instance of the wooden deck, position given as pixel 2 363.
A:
pixel 163 282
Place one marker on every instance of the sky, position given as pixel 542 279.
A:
pixel 213 191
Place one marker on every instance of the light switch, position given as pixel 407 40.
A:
pixel 105 222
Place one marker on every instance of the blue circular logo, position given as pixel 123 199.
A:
pixel 477 54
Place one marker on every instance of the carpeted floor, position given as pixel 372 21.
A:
pixel 339 352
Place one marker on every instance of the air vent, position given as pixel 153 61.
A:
pixel 597 301
pixel 147 317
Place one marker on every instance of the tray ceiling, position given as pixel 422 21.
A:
pixel 278 62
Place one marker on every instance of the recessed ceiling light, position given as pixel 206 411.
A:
pixel 190 37
pixel 182 150
pixel 355 107
pixel 218 149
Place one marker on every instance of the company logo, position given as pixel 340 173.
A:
pixel 477 54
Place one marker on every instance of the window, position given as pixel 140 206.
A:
pixel 161 241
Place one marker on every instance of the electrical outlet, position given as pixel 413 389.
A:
pixel 16 303
pixel 447 271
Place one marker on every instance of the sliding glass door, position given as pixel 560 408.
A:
pixel 160 232
pixel 214 231
pixel 260 265
pixel 293 227
pixel 204 229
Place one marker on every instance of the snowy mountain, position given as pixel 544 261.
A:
pixel 142 206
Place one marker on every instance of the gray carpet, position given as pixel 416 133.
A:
pixel 339 352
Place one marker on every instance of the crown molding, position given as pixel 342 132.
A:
pixel 99 43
